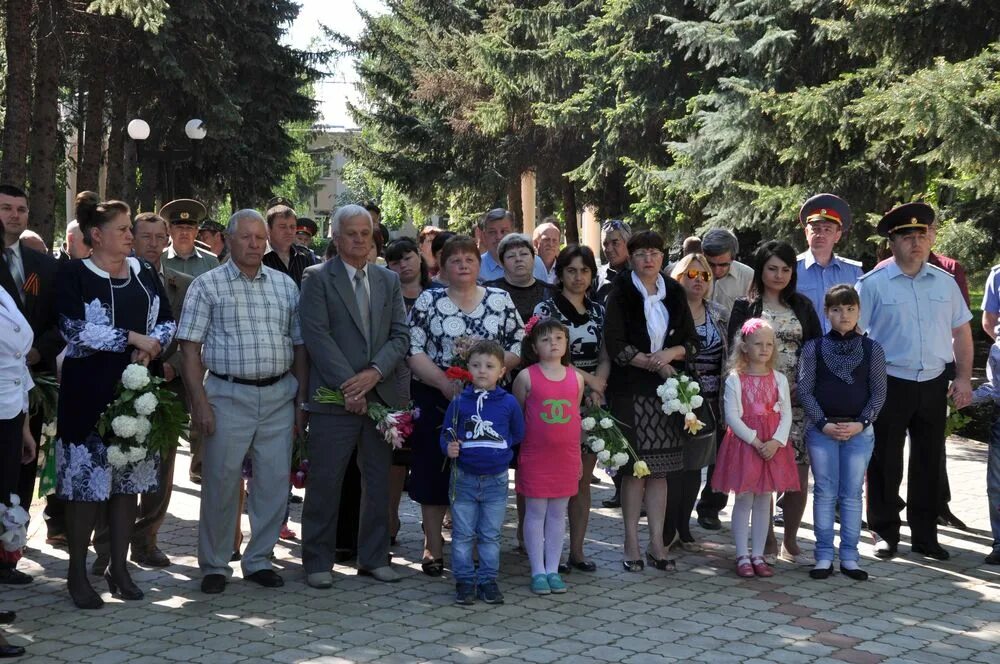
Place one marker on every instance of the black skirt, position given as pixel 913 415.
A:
pixel 429 472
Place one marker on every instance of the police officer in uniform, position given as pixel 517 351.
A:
pixel 183 255
pixel 917 313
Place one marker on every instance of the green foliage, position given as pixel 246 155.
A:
pixel 967 243
pixel 146 14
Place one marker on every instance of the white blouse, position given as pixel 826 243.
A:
pixel 734 409
pixel 16 338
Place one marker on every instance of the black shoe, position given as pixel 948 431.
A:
pixel 821 573
pixel 709 522
pixel 614 502
pixel 130 592
pixel 993 558
pixel 465 594
pixel 295 499
pixel 594 479
pixel 213 584
pixel 7 617
pixel 266 577
pixel 195 479
pixel 662 564
pixel 100 565
pixel 490 593
pixel 10 651
pixel 633 565
pixel 856 574
pixel 236 557
pixel 935 551
pixel 885 550
pixel 950 520
pixel 13 577
pixel 56 539
pixel 150 557
pixel 581 565
pixel 779 518
pixel 87 599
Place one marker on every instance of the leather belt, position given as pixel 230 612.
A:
pixel 263 382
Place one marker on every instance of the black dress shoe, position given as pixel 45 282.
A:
pixel 10 651
pixel 856 574
pixel 150 557
pixel 267 578
pixel 993 558
pixel 612 503
pixel 935 551
pixel 129 592
pixel 7 617
pixel 821 573
pixel 884 550
pixel 594 479
pixel 13 577
pixel 295 499
pixel 213 584
pixel 633 565
pixel 950 520
pixel 236 557
pixel 709 522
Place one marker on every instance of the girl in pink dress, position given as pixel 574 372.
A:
pixel 754 459
pixel 548 468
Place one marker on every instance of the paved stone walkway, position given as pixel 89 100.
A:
pixel 913 609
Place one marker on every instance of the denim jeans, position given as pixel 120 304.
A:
pixel 478 505
pixel 993 478
pixel 838 469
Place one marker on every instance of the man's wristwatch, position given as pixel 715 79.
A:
pixel 304 406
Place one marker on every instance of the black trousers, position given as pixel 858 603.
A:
pixel 349 517
pixel 917 408
pixel 11 439
pixel 712 502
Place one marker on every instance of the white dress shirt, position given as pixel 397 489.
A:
pixel 15 342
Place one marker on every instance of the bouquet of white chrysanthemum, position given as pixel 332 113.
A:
pixel 606 440
pixel 143 419
pixel 682 395
pixel 13 526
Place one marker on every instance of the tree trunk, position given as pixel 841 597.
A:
pixel 47 147
pixel 514 201
pixel 116 141
pixel 92 143
pixel 569 212
pixel 17 121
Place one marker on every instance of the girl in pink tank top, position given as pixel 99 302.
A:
pixel 548 466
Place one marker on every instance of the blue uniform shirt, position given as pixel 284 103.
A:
pixel 813 280
pixel 912 318
pixel 991 295
pixel 490 270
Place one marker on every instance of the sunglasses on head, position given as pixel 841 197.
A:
pixel 694 274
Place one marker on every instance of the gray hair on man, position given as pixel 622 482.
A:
pixel 239 216
pixel 544 226
pixel 720 241
pixel 345 212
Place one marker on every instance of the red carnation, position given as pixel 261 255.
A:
pixel 458 373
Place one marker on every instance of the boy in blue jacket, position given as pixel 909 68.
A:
pixel 481 427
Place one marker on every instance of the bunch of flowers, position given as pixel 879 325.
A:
pixel 606 440
pixel 43 400
pixel 13 528
pixel 394 425
pixel 300 461
pixel 143 419
pixel 681 395
pixel 458 368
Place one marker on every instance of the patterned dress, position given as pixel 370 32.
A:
pixel 436 323
pixel 788 344
pixel 96 313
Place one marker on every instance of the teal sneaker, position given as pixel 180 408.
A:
pixel 540 585
pixel 556 584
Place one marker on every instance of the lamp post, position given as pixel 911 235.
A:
pixel 139 131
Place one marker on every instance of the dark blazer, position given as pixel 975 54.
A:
pixel 744 309
pixel 625 334
pixel 40 305
pixel 331 330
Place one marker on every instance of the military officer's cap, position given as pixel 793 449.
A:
pixel 184 211
pixel 908 216
pixel 826 207
pixel 212 225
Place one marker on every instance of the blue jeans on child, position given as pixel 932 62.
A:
pixel 478 505
pixel 838 469
pixel 993 478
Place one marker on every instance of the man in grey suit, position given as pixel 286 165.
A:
pixel 354 327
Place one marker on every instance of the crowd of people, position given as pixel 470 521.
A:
pixel 804 363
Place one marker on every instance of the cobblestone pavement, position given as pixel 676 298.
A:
pixel 913 609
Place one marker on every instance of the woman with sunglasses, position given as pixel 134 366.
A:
pixel 773 297
pixel 711 322
pixel 647 334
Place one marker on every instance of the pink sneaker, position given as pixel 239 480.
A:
pixel 287 533
pixel 744 568
pixel 761 568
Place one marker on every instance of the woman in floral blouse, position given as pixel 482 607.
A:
pixel 438 319
pixel 113 311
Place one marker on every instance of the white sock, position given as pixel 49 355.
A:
pixel 823 564
pixel 849 564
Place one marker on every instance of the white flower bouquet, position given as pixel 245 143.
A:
pixel 13 528
pixel 606 440
pixel 682 395
pixel 143 419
